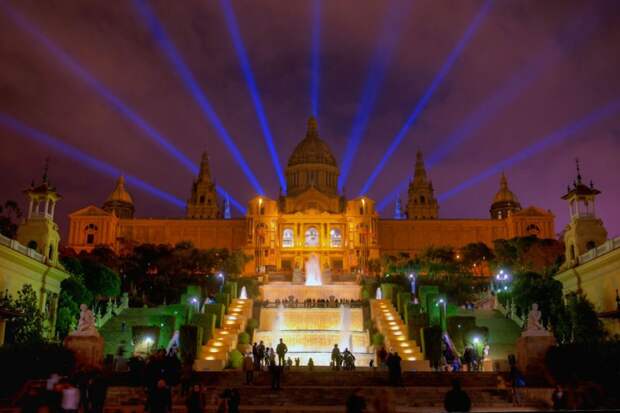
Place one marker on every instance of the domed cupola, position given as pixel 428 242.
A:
pixel 505 201
pixel 312 164
pixel 120 202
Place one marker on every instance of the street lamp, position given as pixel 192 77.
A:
pixel 412 280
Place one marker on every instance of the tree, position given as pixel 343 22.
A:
pixel 529 288
pixel 100 280
pixel 585 326
pixel 9 219
pixel 523 254
pixel 27 326
pixel 474 257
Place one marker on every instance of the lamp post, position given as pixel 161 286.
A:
pixel 443 313
pixel 412 280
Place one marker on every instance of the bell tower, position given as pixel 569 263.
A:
pixel 422 203
pixel 584 230
pixel 39 231
pixel 203 201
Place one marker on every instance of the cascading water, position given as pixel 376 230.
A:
pixel 279 323
pixel 345 328
pixel 378 294
pixel 243 295
pixel 313 271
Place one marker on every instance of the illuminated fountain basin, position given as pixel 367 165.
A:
pixel 283 290
pixel 312 332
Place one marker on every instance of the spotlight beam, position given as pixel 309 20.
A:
pixel 541 145
pixel 168 48
pixel 423 102
pixel 315 57
pixel 77 70
pixel 83 158
pixel 233 29
pixel 383 51
pixel 93 163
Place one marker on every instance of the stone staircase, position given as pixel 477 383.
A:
pixel 323 391
pixel 395 333
pixel 214 355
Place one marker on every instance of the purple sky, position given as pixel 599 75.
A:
pixel 579 40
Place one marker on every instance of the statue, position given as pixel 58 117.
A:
pixel 86 325
pixel 533 320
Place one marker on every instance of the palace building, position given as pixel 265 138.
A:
pixel 312 217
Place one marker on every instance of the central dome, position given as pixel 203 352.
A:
pixel 312 149
pixel 312 165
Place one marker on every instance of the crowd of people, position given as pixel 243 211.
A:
pixel 342 360
pixel 311 303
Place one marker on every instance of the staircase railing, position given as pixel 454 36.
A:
pixel 112 309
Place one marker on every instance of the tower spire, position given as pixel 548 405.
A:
pixel 578 170
pixel 313 128
pixel 205 170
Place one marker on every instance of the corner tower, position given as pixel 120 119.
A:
pixel 584 230
pixel 120 202
pixel 203 200
pixel 39 231
pixel 505 202
pixel 422 203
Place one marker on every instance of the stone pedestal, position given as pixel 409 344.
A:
pixel 531 350
pixel 88 350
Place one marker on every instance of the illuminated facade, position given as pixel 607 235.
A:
pixel 313 217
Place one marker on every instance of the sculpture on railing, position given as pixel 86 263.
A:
pixel 86 324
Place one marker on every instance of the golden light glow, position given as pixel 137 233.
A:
pixel 213 350
pixel 400 338
pixel 411 359
pixel 398 333
pixel 218 344
pixel 209 358
pixel 408 351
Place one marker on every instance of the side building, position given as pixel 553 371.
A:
pixel 592 265
pixel 32 258
pixel 312 217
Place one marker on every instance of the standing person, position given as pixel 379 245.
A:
pixel 516 382
pixel 281 349
pixel 382 357
pixel 468 357
pixel 456 400
pixel 234 401
pixel 161 399
pixel 195 401
pixel 558 398
pixel 276 375
pixel 261 353
pixel 70 398
pixel 248 367
pixel 255 356
pixel 356 402
pixel 335 357
pixel 98 391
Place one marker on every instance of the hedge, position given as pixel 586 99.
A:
pixel 231 287
pixel 190 339
pixel 206 321
pixel 235 359
pixel 431 344
pixel 223 298
pixel 216 309
pixel 423 291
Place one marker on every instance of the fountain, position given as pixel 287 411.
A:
pixel 243 295
pixel 345 327
pixel 313 271
pixel 378 294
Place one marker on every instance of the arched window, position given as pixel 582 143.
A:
pixel 590 245
pixel 288 238
pixel 312 237
pixel 533 229
pixel 202 199
pixel 91 230
pixel 335 238
pixel 32 245
pixel 422 200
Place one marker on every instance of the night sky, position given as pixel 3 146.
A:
pixel 530 69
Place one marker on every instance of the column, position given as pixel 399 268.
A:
pixel 45 211
pixel 52 210
pixel 29 216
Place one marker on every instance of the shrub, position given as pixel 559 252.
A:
pixel 235 359
pixel 207 323
pixel 377 339
pixel 431 344
pixel 251 325
pixel 244 338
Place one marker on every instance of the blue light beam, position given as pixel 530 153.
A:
pixel 423 102
pixel 233 29
pixel 95 164
pixel 74 67
pixel 192 86
pixel 383 50
pixel 315 57
pixel 85 159
pixel 542 144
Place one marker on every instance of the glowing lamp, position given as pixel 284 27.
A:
pixel 411 359
pixel 213 350
pixel 209 358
